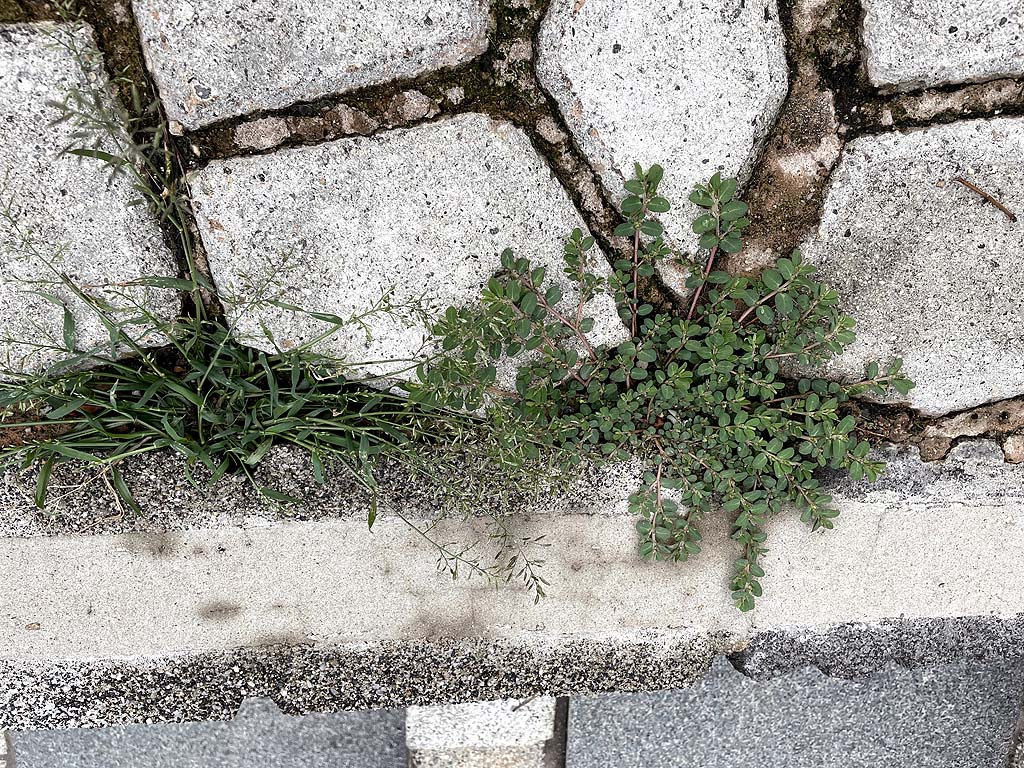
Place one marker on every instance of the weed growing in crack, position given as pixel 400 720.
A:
pixel 698 396
pixel 194 387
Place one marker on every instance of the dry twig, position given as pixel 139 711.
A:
pixel 986 197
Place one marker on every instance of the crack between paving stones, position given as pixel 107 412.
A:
pixel 893 112
pixel 119 41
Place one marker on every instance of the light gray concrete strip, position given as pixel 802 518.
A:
pixel 492 734
pixel 951 716
pixel 258 736
pixel 330 581
pixel 931 271
pixel 904 553
pixel 917 43
pixel 424 212
pixel 77 219
pixel 214 59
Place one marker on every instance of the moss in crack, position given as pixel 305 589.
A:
pixel 941 105
pixel 786 188
pixel 896 424
pixel 16 11
pixel 833 41
pixel 11 11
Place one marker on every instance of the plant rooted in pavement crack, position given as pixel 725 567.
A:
pixel 699 397
pixel 190 384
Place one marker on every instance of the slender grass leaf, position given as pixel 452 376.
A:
pixel 122 489
pixel 43 482
pixel 69 407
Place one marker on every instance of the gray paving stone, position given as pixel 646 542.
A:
pixel 424 211
pixel 77 221
pixel 931 272
pixel 916 43
pixel 692 85
pixel 491 734
pixel 258 736
pixel 955 716
pixel 214 59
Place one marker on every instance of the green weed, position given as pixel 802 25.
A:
pixel 699 396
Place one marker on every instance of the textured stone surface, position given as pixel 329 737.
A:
pixel 1013 448
pixel 692 85
pixel 214 59
pixel 491 734
pixel 307 678
pixel 425 212
pixel 265 133
pixel 931 272
pixel 127 615
pixel 953 716
pixel 77 222
pixel 259 735
pixel 916 43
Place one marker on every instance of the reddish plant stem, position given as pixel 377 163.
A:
pixel 765 300
pixel 636 266
pixel 568 324
pixel 707 271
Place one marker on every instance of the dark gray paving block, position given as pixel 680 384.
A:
pixel 260 735
pixel 952 716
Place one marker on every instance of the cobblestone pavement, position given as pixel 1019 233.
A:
pixel 337 152
pixel 697 86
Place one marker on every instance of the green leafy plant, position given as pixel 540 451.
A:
pixel 698 394
pixel 190 384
